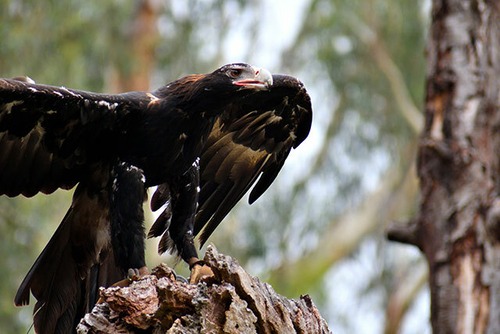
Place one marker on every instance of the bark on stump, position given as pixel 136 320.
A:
pixel 231 302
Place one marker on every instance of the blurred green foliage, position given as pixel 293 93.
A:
pixel 359 129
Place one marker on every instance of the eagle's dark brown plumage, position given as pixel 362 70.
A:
pixel 204 139
pixel 248 144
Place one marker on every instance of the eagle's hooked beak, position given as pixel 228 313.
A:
pixel 262 80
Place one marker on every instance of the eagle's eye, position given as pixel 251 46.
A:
pixel 234 73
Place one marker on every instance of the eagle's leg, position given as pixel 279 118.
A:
pixel 127 220
pixel 184 200
pixel 127 256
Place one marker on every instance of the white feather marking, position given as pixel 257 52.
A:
pixel 70 92
pixel 110 106
pixel 32 89
pixel 115 185
pixel 152 98
pixel 136 169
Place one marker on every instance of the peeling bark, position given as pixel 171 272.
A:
pixel 458 166
pixel 231 302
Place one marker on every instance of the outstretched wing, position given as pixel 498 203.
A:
pixel 248 145
pixel 48 135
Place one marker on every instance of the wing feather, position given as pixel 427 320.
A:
pixel 49 134
pixel 249 145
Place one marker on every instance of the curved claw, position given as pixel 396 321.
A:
pixel 199 271
pixel 180 278
pixel 133 274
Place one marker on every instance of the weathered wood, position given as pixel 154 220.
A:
pixel 230 302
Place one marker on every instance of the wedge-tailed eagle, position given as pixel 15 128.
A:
pixel 204 140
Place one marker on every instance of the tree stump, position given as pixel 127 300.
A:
pixel 230 302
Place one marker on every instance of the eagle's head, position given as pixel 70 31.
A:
pixel 208 93
pixel 241 76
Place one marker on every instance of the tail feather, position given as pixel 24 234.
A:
pixel 54 282
pixel 60 278
pixel 99 239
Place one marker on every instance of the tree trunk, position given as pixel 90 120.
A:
pixel 141 36
pixel 458 226
pixel 231 302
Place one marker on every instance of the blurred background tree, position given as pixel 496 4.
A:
pixel 320 228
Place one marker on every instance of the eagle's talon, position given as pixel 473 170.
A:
pixel 200 272
pixel 180 278
pixel 132 274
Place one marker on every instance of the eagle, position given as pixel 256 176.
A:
pixel 204 140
